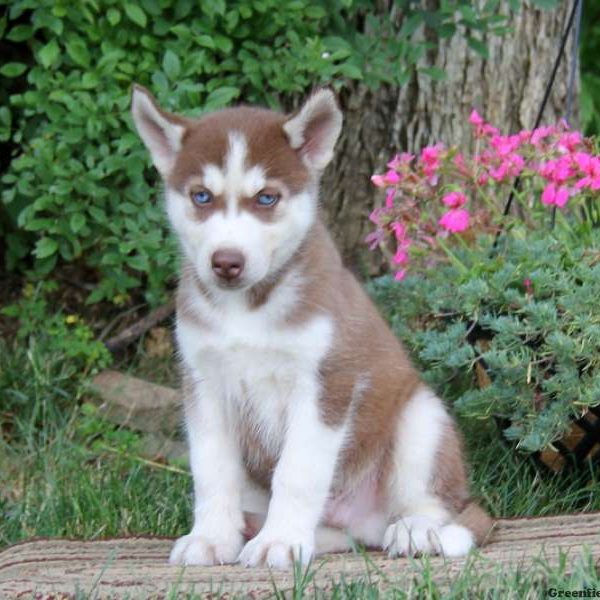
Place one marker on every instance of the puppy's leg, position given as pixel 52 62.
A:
pixel 255 503
pixel 215 460
pixel 428 486
pixel 300 484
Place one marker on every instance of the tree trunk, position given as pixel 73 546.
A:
pixel 507 89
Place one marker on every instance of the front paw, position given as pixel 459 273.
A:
pixel 417 535
pixel 277 551
pixel 195 549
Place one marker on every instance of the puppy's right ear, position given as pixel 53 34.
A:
pixel 161 131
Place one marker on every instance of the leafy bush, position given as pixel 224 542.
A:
pixel 590 79
pixel 79 189
pixel 530 315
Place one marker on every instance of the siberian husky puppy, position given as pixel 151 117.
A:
pixel 300 404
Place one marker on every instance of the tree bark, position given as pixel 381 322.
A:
pixel 507 89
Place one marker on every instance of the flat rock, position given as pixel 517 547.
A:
pixel 137 567
pixel 138 404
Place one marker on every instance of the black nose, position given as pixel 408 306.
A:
pixel 228 264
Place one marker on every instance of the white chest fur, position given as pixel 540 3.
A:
pixel 250 360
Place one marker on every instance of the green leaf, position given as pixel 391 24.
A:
pixel 136 14
pixel 478 46
pixel 5 116
pixel 224 44
pixel 49 53
pixel 410 25
pixel 77 222
pixel 13 69
pixel 351 71
pixel 89 80
pixel 206 41
pixel 113 16
pixel 139 262
pixel 160 81
pixel 43 19
pixel 20 33
pixel 435 73
pixel 77 50
pixel 171 65
pixel 221 97
pixel 315 12
pixel 45 247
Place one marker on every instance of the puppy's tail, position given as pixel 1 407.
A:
pixel 477 521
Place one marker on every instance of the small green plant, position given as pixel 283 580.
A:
pixel 56 333
pixel 528 316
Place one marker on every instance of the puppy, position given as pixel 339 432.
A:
pixel 300 404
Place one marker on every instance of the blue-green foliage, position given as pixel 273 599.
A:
pixel 530 317
pixel 78 186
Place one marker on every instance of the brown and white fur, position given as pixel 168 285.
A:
pixel 300 404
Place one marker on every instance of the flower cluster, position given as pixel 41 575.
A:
pixel 442 192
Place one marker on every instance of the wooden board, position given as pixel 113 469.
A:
pixel 137 567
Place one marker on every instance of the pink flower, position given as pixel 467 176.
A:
pixel 391 177
pixel 553 195
pixel 395 163
pixel 481 127
pixel 459 162
pixel 563 171
pixel 400 275
pixel 430 158
pixel 454 199
pixel 475 118
pixel 376 213
pixel 546 169
pixel 568 142
pixel 549 194
pixel 516 164
pixel 374 238
pixel 505 144
pixel 537 135
pixel 404 158
pixel 378 180
pixel 562 197
pixel 558 171
pixel 455 220
pixel 583 160
pixel 590 165
pixel 401 257
pixel 499 173
pixel 389 198
pixel 399 230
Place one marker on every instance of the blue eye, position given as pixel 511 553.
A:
pixel 201 197
pixel 266 199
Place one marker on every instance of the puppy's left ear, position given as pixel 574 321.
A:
pixel 314 130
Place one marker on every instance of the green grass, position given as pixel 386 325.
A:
pixel 66 472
